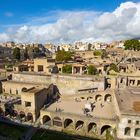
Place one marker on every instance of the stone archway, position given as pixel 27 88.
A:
pixel 98 97
pixel 105 128
pixel 57 121
pixel 46 120
pixel 137 132
pixel 23 89
pixel 79 125
pixel 108 98
pixel 29 117
pixel 15 113
pixel 127 131
pixel 22 115
pixel 92 127
pixel 68 123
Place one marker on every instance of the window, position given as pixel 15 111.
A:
pixel 27 104
pixel 129 121
pixel 138 82
pixel 137 122
pixel 59 69
pixel 40 68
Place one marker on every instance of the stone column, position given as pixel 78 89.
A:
pixel 72 69
pixel 132 133
pixel 136 82
pixel 81 70
pixel 99 131
pixel 29 69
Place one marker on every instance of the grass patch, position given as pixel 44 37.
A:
pixel 52 135
pixel 12 131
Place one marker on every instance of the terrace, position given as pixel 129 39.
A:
pixel 99 105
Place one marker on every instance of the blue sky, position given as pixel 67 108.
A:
pixel 19 13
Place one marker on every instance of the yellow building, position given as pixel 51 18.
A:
pixel 44 65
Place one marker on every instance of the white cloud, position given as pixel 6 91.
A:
pixel 4 37
pixel 69 26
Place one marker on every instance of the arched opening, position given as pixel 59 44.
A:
pixel 15 113
pixel 46 120
pixel 98 97
pixel 89 98
pixel 79 125
pixel 92 127
pixel 68 123
pixel 30 117
pixel 1 111
pixel 127 131
pixel 108 98
pixel 105 128
pixel 137 132
pixel 23 89
pixel 57 121
pixel 22 115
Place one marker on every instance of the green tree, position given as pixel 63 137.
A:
pixel 97 53
pixel 92 70
pixel 132 44
pixel 16 53
pixel 104 54
pixel 114 67
pixel 67 69
pixel 63 56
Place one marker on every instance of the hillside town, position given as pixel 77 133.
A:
pixel 86 89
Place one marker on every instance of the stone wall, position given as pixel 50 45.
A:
pixel 128 122
pixel 13 87
pixel 100 123
pixel 0 87
pixel 67 84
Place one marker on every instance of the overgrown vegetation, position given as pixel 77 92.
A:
pixel 91 70
pixel 109 136
pixel 67 69
pixel 132 44
pixel 16 53
pixel 104 54
pixel 63 56
pixel 52 135
pixel 114 67
pixel 97 53
pixel 12 131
